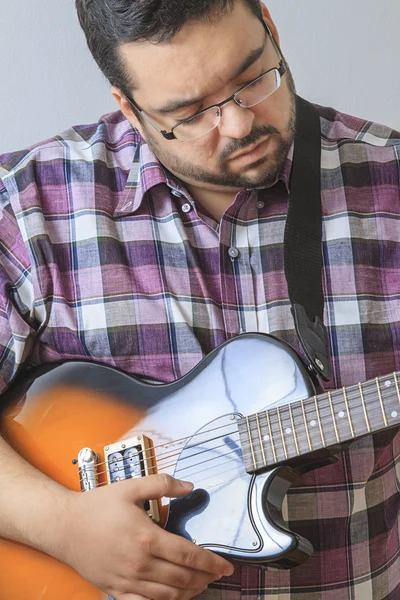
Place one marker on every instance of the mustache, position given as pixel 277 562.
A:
pixel 255 134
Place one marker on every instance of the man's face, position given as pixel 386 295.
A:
pixel 198 68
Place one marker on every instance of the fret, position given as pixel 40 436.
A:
pixel 319 422
pixel 370 404
pixel 271 437
pixel 261 440
pixel 397 386
pixel 390 399
pixel 341 415
pixel 251 443
pixel 381 401
pixel 244 442
pixel 364 408
pixel 266 434
pixel 348 410
pixel 257 442
pixel 303 438
pixel 288 430
pixel 281 430
pixel 313 422
pixel 294 430
pixel 329 415
pixel 306 425
pixel 333 417
pixel 276 428
pixel 296 421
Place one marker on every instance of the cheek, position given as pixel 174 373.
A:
pixel 268 113
pixel 281 102
pixel 205 151
pixel 275 110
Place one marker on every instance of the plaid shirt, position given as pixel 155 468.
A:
pixel 106 257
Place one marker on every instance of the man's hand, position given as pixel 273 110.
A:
pixel 111 542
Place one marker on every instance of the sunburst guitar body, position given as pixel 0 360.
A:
pixel 240 426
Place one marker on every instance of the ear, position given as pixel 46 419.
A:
pixel 126 109
pixel 270 23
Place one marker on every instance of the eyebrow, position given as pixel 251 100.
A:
pixel 174 105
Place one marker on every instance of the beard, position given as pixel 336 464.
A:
pixel 264 177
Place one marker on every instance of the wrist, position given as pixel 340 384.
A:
pixel 54 517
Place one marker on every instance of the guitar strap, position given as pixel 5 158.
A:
pixel 303 240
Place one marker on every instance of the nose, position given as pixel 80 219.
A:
pixel 236 122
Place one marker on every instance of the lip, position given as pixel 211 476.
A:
pixel 252 152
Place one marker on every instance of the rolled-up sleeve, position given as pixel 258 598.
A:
pixel 18 327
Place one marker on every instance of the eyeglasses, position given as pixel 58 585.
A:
pixel 255 91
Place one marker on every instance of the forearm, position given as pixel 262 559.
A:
pixel 33 507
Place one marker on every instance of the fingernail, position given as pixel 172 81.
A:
pixel 186 484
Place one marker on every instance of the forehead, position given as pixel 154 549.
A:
pixel 199 60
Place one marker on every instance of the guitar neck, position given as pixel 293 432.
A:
pixel 278 434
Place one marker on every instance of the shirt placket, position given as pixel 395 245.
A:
pixel 237 287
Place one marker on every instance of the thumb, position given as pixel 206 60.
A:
pixel 154 487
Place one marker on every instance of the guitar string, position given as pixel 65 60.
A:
pixel 278 444
pixel 167 455
pixel 278 447
pixel 240 472
pixel 193 479
pixel 355 421
pixel 154 467
pixel 323 405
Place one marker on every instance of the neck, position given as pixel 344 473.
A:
pixel 320 422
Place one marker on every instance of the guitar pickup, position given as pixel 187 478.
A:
pixel 131 459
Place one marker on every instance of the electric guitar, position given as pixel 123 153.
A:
pixel 241 426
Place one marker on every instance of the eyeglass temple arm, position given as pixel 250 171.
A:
pixel 168 135
pixel 277 49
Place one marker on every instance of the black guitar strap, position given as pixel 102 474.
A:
pixel 303 240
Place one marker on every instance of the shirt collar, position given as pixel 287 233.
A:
pixel 146 172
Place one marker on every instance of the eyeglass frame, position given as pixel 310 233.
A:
pixel 169 135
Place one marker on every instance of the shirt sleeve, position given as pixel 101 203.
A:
pixel 18 327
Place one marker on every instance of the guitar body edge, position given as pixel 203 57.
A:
pixel 74 406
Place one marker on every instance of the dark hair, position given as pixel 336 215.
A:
pixel 110 23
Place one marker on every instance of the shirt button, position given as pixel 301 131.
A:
pixel 260 204
pixel 186 207
pixel 127 205
pixel 233 252
pixel 176 193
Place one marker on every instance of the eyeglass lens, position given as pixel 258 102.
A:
pixel 253 94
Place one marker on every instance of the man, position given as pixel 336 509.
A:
pixel 148 239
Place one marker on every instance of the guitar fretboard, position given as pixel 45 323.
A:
pixel 281 433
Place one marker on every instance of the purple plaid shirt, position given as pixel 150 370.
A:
pixel 106 257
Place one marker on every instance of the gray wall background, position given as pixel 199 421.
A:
pixel 343 53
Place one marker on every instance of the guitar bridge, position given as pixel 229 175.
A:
pixel 130 459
